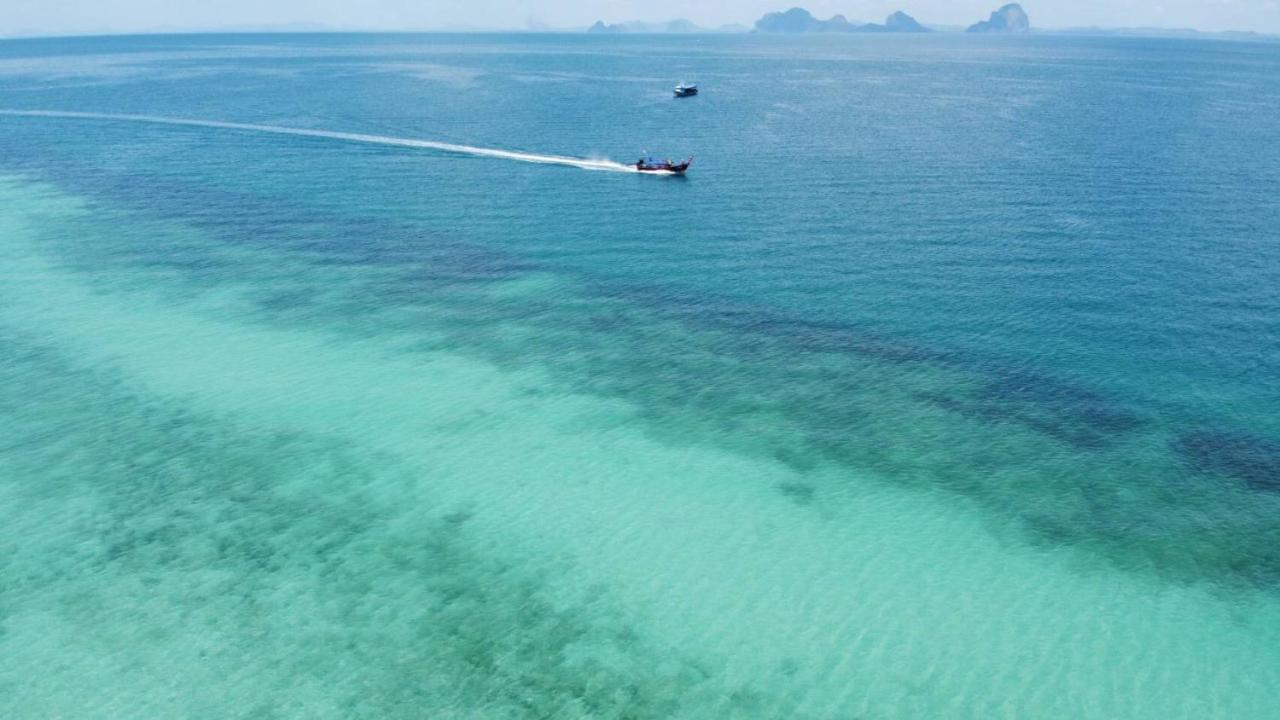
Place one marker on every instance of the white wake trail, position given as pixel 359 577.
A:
pixel 583 163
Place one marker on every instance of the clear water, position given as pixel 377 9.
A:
pixel 946 385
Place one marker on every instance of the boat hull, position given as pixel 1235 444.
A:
pixel 667 168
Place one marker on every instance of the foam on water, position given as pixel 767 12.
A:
pixel 336 528
pixel 583 163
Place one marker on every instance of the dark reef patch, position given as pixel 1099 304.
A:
pixel 799 493
pixel 799 333
pixel 1065 411
pixel 1068 414
pixel 1250 458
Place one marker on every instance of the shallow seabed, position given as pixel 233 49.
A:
pixel 967 411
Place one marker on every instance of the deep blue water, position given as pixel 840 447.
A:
pixel 1034 279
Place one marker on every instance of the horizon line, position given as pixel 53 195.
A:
pixel 295 29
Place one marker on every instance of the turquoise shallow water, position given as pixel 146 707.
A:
pixel 944 386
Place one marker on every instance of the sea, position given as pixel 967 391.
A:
pixel 362 376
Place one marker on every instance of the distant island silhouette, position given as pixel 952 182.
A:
pixel 799 20
pixel 1009 19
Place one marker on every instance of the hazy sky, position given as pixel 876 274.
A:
pixel 76 16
